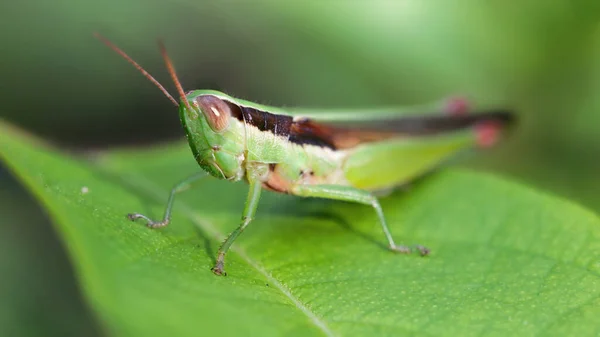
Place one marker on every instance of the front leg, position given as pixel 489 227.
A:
pixel 249 211
pixel 180 187
pixel 351 194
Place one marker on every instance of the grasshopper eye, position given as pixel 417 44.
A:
pixel 216 111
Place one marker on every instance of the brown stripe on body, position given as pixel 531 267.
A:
pixel 348 134
pixel 306 131
pixel 344 135
pixel 299 132
pixel 423 125
pixel 264 121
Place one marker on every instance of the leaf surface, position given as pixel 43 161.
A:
pixel 505 258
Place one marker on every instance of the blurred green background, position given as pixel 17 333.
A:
pixel 540 57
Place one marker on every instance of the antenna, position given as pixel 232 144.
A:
pixel 142 70
pixel 173 74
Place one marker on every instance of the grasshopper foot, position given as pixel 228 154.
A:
pixel 149 222
pixel 218 269
pixel 422 250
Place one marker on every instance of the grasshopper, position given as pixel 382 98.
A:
pixel 352 157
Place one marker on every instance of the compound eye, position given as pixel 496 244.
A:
pixel 216 111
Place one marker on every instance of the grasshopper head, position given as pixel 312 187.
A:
pixel 214 135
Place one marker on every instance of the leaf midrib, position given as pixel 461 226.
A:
pixel 157 194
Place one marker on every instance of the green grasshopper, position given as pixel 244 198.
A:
pixel 350 157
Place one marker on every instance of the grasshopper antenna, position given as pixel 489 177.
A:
pixel 138 67
pixel 171 69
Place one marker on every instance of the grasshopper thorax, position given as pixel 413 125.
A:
pixel 216 138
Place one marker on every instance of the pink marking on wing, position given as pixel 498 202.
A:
pixel 457 106
pixel 487 133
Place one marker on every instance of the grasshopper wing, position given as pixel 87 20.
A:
pixel 385 153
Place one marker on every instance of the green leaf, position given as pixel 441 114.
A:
pixel 505 259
